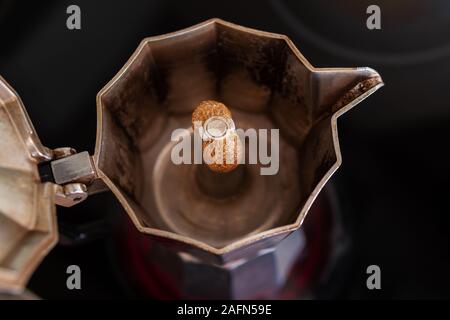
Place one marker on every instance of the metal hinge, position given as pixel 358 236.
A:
pixel 73 174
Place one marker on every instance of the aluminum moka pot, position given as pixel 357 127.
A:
pixel 264 80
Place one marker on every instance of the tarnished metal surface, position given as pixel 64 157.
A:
pixel 267 83
pixel 27 212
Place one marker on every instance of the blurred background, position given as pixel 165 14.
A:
pixel 391 188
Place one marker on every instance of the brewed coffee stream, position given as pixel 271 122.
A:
pixel 221 146
pixel 221 177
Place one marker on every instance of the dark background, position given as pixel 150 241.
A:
pixel 393 184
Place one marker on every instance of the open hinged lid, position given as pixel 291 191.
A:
pixel 27 210
pixel 33 180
